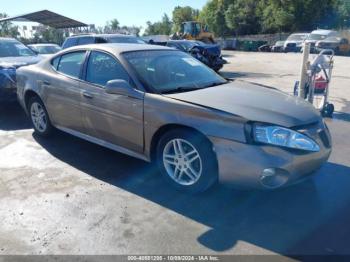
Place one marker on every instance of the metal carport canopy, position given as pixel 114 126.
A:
pixel 47 18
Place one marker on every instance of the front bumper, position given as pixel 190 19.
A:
pixel 295 49
pixel 320 49
pixel 243 165
pixel 7 85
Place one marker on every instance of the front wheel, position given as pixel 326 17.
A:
pixel 39 117
pixel 328 110
pixel 187 161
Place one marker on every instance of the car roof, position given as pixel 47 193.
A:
pixel 8 39
pixel 42 44
pixel 101 35
pixel 300 33
pixel 322 31
pixel 118 48
pixel 183 41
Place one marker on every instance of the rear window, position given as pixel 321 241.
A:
pixel 70 42
pixel 70 64
pixel 125 40
pixel 86 40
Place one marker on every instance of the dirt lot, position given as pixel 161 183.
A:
pixel 68 196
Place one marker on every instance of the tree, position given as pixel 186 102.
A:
pixel 7 28
pixel 241 17
pixel 114 24
pixel 48 35
pixel 166 25
pixel 276 15
pixel 162 27
pixel 213 15
pixel 183 14
pixel 343 9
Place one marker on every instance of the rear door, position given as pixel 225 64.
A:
pixel 63 92
pixel 116 119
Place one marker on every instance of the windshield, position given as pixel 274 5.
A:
pixel 279 43
pixel 172 71
pixel 317 37
pixel 297 37
pixel 45 50
pixel 14 49
pixel 125 40
pixel 333 39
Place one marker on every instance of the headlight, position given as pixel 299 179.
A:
pixel 280 136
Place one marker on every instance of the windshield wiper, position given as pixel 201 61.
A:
pixel 215 84
pixel 180 90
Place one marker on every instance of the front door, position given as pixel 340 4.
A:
pixel 116 119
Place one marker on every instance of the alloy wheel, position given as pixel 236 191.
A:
pixel 182 162
pixel 38 116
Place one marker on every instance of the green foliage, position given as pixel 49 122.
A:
pixel 7 29
pixel 241 17
pixel 272 16
pixel 213 14
pixel 159 28
pixel 49 35
pixel 344 13
pixel 183 14
pixel 114 24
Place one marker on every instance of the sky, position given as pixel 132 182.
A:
pixel 128 12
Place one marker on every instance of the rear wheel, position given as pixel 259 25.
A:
pixel 187 161
pixel 39 117
pixel 328 110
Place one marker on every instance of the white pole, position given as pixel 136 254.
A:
pixel 303 70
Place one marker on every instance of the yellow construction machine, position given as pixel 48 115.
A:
pixel 193 30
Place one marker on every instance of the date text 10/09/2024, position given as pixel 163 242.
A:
pixel 173 258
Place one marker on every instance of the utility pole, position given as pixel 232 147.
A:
pixel 303 70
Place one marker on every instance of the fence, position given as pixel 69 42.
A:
pixel 250 42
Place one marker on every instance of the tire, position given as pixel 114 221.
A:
pixel 328 110
pixel 178 170
pixel 337 51
pixel 39 117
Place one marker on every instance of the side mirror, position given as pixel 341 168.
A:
pixel 122 87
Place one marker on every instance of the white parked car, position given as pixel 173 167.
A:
pixel 295 41
pixel 319 35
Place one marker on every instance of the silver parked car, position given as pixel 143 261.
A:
pixel 159 104
pixel 45 49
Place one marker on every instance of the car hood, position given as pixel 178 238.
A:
pixel 328 42
pixel 19 61
pixel 253 102
pixel 297 42
pixel 213 50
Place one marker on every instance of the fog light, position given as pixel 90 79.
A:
pixel 274 177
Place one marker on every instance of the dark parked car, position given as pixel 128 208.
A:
pixel 278 47
pixel 208 54
pixel 163 105
pixel 13 54
pixel 265 48
pixel 101 39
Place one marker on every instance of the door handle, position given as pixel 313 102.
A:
pixel 88 95
pixel 47 83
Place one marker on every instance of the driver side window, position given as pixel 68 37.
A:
pixel 102 68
